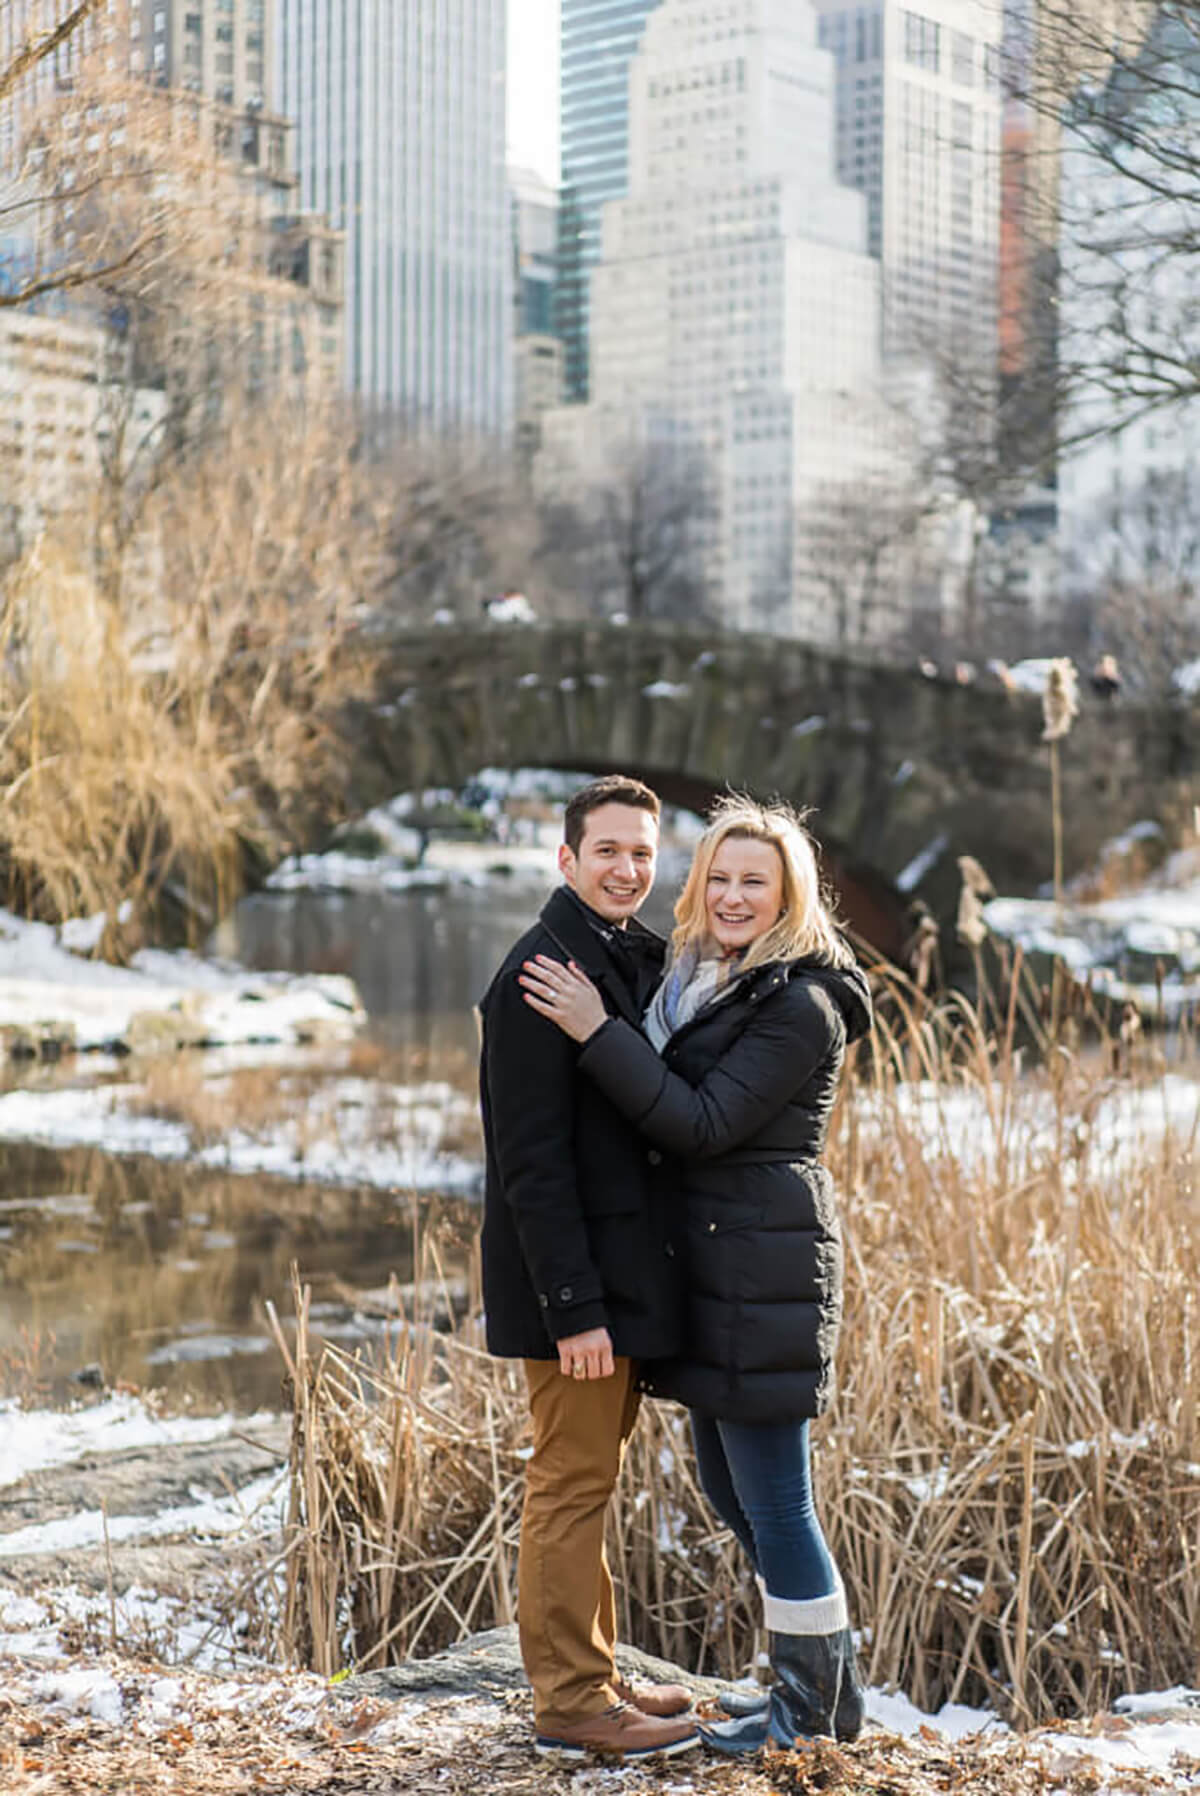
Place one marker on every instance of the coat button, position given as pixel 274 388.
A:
pixel 566 1294
pixel 669 1251
pixel 543 1300
pixel 654 1157
pixel 712 1228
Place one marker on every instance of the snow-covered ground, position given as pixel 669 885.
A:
pixel 352 1131
pixel 1142 947
pixel 47 990
pixel 158 1663
pixel 1107 1135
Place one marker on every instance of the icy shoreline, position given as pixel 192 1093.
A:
pixel 52 998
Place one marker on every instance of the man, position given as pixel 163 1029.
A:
pixel 580 1278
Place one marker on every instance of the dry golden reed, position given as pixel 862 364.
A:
pixel 1010 1477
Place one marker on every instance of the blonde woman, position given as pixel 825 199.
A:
pixel 734 1074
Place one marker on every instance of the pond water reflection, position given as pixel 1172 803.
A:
pixel 159 1273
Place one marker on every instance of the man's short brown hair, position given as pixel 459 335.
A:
pixel 614 788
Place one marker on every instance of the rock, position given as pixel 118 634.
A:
pixel 488 1666
pixel 37 1041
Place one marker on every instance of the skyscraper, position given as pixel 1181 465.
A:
pixel 735 309
pixel 918 133
pixel 401 141
pixel 215 47
pixel 537 352
pixel 599 38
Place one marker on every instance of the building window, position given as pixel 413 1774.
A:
pixel 962 58
pixel 921 42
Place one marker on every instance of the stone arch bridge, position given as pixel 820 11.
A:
pixel 904 771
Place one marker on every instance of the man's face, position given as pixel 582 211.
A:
pixel 614 869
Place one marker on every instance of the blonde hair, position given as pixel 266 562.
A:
pixel 806 926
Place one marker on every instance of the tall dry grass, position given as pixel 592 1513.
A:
pixel 1009 1477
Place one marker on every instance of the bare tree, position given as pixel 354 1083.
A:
pixel 856 539
pixel 630 534
pixel 462 526
pixel 1113 93
pixel 1135 575
pixel 75 119
pixel 898 552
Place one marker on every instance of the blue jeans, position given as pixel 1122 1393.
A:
pixel 757 1477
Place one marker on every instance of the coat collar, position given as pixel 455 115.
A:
pixel 592 944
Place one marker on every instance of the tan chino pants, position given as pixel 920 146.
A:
pixel 565 1596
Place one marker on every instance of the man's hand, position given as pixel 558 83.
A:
pixel 588 1355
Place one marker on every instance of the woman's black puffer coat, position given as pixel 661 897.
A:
pixel 742 1094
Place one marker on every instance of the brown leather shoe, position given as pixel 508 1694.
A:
pixel 621 1732
pixel 663 1700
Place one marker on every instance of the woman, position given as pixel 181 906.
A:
pixel 736 1074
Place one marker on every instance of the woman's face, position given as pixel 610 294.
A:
pixel 744 895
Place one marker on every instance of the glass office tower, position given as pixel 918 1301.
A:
pixel 598 39
pixel 400 131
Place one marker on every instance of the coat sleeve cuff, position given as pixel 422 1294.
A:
pixel 575 1319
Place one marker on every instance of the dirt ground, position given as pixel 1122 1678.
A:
pixel 287 1736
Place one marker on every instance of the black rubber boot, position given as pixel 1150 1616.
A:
pixel 808 1675
pixel 850 1710
pixel 802 1700
pixel 744 1702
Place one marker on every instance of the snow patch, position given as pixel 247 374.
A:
pixel 259 1504
pixel 161 996
pixel 32 1440
pixel 374 1134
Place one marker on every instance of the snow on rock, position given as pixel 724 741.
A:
pixel 162 999
pixel 1030 675
pixel 34 1440
pixel 258 1505
pixel 1125 945
pixel 1161 1748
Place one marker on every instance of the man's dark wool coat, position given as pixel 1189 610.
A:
pixel 742 1095
pixel 578 1207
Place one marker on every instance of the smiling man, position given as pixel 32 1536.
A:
pixel 580 1276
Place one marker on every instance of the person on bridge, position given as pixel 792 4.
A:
pixel 580 1275
pixel 734 1071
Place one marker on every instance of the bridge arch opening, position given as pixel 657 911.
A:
pixel 867 901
